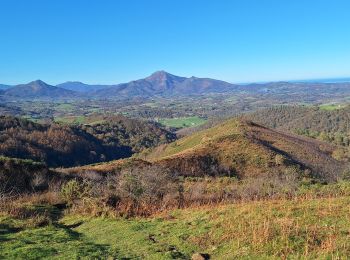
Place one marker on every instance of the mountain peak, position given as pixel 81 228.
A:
pixel 38 82
pixel 160 74
pixel 163 76
pixel 163 81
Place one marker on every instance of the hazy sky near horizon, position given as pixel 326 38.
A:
pixel 117 41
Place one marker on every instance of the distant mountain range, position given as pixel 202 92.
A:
pixel 164 84
pixel 159 83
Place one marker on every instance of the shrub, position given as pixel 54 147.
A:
pixel 73 190
pixel 143 190
pixel 279 159
pixel 346 175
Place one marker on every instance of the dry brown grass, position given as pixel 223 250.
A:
pixel 304 228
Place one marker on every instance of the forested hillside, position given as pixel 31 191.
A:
pixel 119 130
pixel 327 125
pixel 63 145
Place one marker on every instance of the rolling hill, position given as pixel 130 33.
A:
pixel 241 149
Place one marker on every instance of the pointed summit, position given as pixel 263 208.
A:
pixel 160 74
pixel 39 81
pixel 164 81
pixel 38 84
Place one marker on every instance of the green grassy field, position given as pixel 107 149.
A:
pixel 35 120
pixel 293 229
pixel 231 99
pixel 65 107
pixel 183 122
pixel 331 107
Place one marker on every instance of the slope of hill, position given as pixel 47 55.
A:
pixel 62 145
pixel 38 89
pixel 80 87
pixel 242 148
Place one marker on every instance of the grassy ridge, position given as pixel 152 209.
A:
pixel 199 139
pixel 301 228
pixel 246 149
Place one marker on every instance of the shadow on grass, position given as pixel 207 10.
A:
pixel 47 239
pixel 7 229
pixel 56 240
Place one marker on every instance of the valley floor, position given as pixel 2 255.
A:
pixel 300 228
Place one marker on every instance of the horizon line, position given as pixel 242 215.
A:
pixel 340 79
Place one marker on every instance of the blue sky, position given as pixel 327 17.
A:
pixel 116 41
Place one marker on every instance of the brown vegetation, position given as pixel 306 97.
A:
pixel 234 161
pixel 60 145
